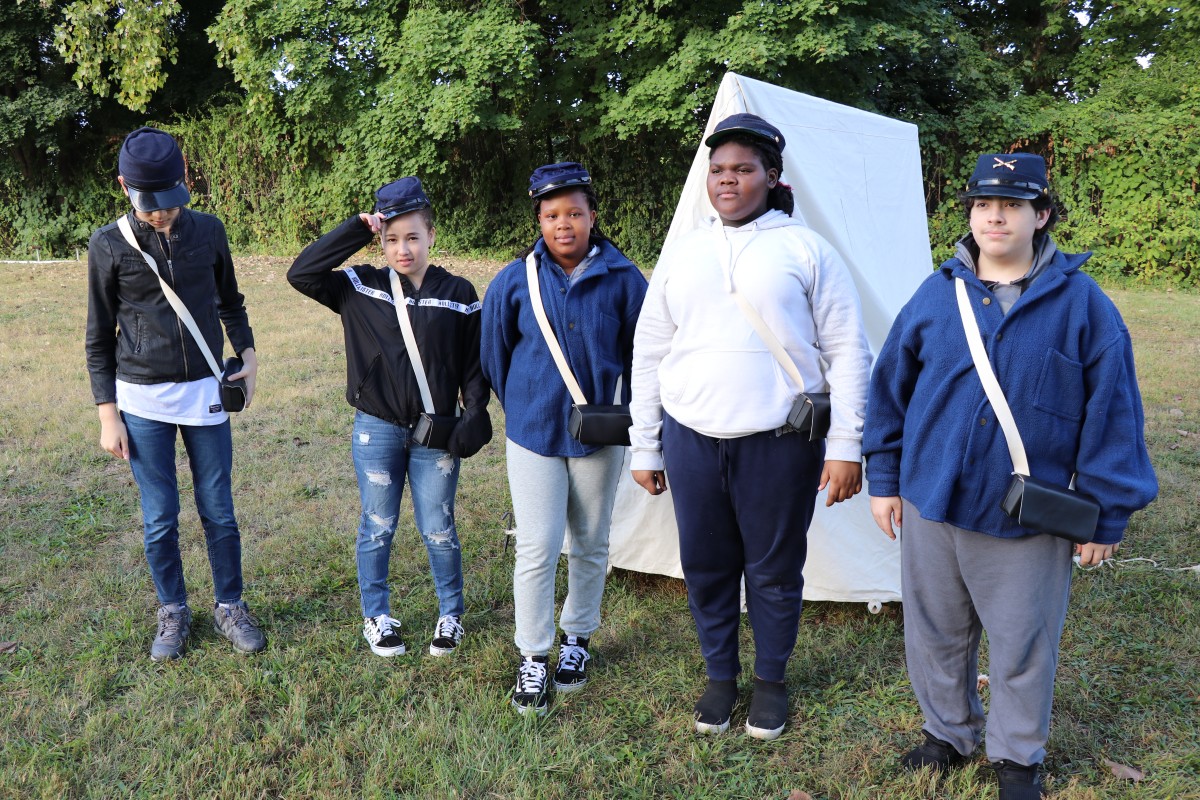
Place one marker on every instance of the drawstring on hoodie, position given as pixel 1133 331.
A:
pixel 731 259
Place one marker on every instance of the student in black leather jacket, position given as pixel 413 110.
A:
pixel 150 379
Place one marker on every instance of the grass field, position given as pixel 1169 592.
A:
pixel 85 713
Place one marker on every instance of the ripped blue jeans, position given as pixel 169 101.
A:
pixel 384 454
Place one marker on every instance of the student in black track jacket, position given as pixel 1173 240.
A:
pixel 382 385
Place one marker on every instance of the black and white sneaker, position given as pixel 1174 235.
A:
pixel 529 694
pixel 447 635
pixel 383 634
pixel 573 658
pixel 768 710
pixel 713 709
pixel 940 756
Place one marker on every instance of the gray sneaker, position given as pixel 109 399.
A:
pixel 236 625
pixel 174 625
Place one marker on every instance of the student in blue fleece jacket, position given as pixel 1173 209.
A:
pixel 592 295
pixel 938 466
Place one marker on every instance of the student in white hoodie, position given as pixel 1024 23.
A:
pixel 710 406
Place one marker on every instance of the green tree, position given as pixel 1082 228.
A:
pixel 291 112
pixel 59 120
pixel 473 95
pixel 119 47
pixel 41 115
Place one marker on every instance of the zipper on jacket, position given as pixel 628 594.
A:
pixel 178 322
pixel 362 381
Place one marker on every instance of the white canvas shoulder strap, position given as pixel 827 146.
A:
pixel 773 344
pixel 410 341
pixel 185 316
pixel 991 387
pixel 539 311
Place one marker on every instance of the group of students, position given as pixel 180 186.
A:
pixel 709 400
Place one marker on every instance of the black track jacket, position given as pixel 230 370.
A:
pixel 379 376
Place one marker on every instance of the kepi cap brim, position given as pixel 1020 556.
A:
pixel 567 183
pixel 146 201
pixel 1018 190
pixel 716 138
pixel 415 204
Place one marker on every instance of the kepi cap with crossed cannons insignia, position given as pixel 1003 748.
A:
pixel 551 177
pixel 400 197
pixel 151 166
pixel 1018 175
pixel 751 124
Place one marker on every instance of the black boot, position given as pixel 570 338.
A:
pixel 933 753
pixel 1018 782
pixel 768 710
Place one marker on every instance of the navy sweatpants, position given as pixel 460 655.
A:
pixel 743 507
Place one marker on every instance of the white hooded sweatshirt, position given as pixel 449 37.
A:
pixel 697 357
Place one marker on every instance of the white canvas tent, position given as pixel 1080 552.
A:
pixel 857 182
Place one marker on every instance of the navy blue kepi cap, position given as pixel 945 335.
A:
pixel 548 178
pixel 400 197
pixel 1019 175
pixel 152 167
pixel 750 124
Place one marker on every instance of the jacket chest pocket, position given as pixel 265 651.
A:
pixel 199 255
pixel 194 264
pixel 1060 389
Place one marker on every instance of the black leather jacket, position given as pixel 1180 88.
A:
pixel 132 331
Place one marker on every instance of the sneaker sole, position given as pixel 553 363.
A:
pixel 764 734
pixel 711 729
pixel 937 767
pixel 567 688
pixel 245 650
pixel 171 657
pixel 387 652
pixel 434 650
pixel 537 711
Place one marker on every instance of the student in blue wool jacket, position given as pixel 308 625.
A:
pixel 592 296
pixel 938 466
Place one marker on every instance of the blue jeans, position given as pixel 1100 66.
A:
pixel 383 454
pixel 210 454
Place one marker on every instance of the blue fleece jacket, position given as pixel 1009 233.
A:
pixel 1064 359
pixel 593 318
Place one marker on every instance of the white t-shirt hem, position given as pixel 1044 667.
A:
pixel 189 403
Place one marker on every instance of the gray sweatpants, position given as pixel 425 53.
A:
pixel 958 583
pixel 548 493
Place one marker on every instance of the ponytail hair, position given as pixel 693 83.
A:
pixel 780 195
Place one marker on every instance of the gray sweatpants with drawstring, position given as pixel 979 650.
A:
pixel 959 583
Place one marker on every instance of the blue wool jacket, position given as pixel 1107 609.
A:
pixel 593 318
pixel 1064 359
